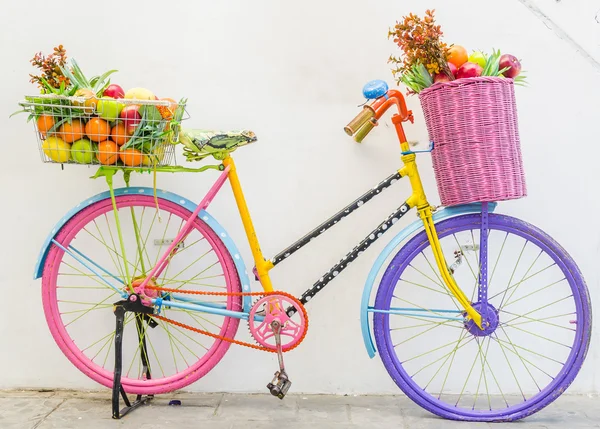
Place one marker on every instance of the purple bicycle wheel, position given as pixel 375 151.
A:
pixel 539 313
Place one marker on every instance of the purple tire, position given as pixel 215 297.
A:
pixel 505 396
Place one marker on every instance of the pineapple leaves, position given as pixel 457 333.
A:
pixel 417 78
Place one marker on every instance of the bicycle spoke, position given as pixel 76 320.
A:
pixel 123 268
pixel 511 368
pixel 159 253
pixel 90 276
pixel 428 352
pixel 90 309
pixel 523 360
pixel 424 287
pixel 447 356
pixel 433 270
pixel 468 377
pixel 540 336
pixel 512 275
pixel 508 302
pixel 196 260
pixel 483 358
pixel 494 375
pixel 110 250
pixel 543 320
pixel 532 352
pixel 448 371
pixel 421 333
pixel 534 311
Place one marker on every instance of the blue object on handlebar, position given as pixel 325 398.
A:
pixel 375 89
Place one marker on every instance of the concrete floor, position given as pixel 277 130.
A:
pixel 91 410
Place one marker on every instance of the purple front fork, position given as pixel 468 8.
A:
pixel 483 262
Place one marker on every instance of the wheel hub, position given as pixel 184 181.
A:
pixel 490 323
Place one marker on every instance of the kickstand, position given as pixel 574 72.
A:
pixel 133 304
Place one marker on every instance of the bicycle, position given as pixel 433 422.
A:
pixel 476 352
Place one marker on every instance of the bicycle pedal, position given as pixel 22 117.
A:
pixel 280 385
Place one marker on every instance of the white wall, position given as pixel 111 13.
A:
pixel 292 72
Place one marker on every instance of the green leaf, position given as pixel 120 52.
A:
pixel 17 112
pixel 151 113
pixel 79 74
pixel 101 80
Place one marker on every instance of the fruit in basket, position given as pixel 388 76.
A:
pixel 469 70
pixel 45 124
pixel 97 129
pixel 109 109
pixel 90 100
pixel 457 55
pixel 114 91
pixel 119 134
pixel 453 69
pixel 132 157
pixel 139 94
pixel 478 57
pixel 83 151
pixel 71 131
pixel 131 117
pixel 513 64
pixel 57 149
pixel 441 77
pixel 167 112
pixel 108 152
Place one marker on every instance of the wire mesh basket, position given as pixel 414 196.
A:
pixel 103 131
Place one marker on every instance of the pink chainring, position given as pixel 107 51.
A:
pixel 273 307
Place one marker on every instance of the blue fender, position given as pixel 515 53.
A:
pixel 169 196
pixel 415 227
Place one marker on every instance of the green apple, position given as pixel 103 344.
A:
pixel 478 57
pixel 108 108
pixel 83 151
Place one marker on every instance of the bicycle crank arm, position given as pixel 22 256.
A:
pixel 280 384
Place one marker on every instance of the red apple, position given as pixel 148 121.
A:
pixel 452 68
pixel 469 70
pixel 131 117
pixel 114 91
pixel 513 63
pixel 441 77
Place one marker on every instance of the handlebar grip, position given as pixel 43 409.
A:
pixel 364 130
pixel 360 119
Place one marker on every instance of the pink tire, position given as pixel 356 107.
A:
pixel 186 356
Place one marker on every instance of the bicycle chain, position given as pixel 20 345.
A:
pixel 298 305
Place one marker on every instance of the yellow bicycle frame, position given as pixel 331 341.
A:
pixel 417 199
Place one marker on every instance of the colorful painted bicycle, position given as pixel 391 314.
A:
pixel 477 315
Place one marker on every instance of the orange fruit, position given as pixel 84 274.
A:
pixel 457 55
pixel 70 132
pixel 108 152
pixel 132 157
pixel 97 129
pixel 45 123
pixel 119 134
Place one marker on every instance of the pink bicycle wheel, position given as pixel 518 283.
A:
pixel 78 301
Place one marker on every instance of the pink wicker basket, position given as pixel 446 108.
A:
pixel 477 155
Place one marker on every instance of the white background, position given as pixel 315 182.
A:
pixel 293 73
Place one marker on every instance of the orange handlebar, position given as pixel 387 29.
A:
pixel 367 119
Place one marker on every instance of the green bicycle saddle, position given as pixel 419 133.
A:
pixel 198 144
